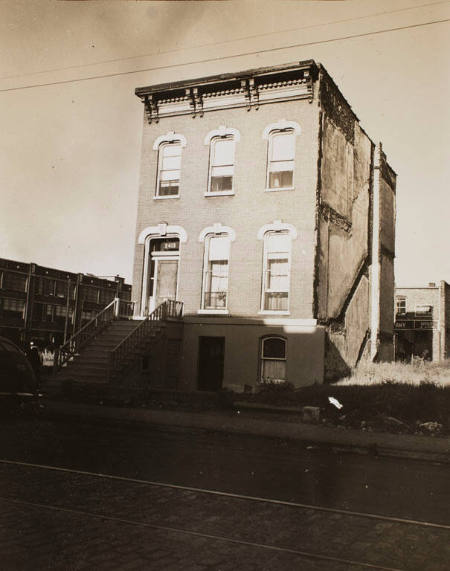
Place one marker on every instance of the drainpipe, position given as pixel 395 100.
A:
pixel 376 266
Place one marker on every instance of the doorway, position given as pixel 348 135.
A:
pixel 162 272
pixel 211 356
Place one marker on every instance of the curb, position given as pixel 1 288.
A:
pixel 315 436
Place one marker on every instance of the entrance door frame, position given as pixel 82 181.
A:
pixel 147 302
pixel 157 259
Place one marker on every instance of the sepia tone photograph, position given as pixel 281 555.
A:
pixel 224 285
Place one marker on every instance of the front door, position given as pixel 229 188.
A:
pixel 164 278
pixel 211 355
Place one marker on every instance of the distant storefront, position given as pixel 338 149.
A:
pixel 422 321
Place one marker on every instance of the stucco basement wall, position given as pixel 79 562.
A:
pixel 305 351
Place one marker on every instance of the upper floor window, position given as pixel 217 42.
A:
pixel 215 272
pixel 222 144
pixel 221 164
pixel 169 167
pixel 281 155
pixel 276 271
pixel 400 305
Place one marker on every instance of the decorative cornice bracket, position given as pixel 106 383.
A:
pixel 195 101
pixel 251 93
pixel 151 109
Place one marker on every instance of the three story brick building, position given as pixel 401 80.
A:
pixel 267 210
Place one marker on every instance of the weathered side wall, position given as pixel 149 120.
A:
pixel 445 321
pixel 342 285
pixel 387 254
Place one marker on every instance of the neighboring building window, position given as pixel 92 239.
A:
pixel 91 294
pixel 14 281
pixel 215 272
pixel 13 307
pixel 273 360
pixel 281 155
pixel 221 164
pixel 422 310
pixel 48 286
pixel 400 303
pixel 169 166
pixel 277 246
pixel 61 288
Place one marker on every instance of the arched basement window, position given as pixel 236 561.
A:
pixel 273 360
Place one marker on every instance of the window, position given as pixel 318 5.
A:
pixel 91 294
pixel 14 281
pixel 400 303
pixel 273 360
pixel 169 165
pixel 60 288
pixel 48 286
pixel 424 310
pixel 280 164
pixel 221 164
pixel 13 307
pixel 215 272
pixel 277 246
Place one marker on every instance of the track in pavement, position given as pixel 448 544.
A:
pixel 323 536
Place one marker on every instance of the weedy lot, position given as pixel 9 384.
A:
pixel 398 397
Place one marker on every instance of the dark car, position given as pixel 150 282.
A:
pixel 19 388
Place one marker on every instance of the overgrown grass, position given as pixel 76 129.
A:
pixel 386 396
pixel 413 374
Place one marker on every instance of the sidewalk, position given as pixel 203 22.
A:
pixel 263 424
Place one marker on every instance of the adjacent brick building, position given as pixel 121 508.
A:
pixel 48 305
pixel 268 211
pixel 422 322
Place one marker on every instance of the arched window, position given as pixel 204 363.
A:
pixel 280 162
pixel 215 272
pixel 169 168
pixel 273 360
pixel 276 271
pixel 221 164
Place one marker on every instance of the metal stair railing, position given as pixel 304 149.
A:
pixel 116 309
pixel 126 349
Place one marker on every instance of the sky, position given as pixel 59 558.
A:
pixel 71 126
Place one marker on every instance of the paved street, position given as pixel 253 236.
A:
pixel 59 519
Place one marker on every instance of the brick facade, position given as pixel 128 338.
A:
pixel 328 209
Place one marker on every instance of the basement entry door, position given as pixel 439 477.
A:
pixel 211 354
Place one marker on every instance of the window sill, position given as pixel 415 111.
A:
pixel 224 193
pixel 279 189
pixel 213 312
pixel 166 197
pixel 273 312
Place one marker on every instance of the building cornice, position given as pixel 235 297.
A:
pixel 249 89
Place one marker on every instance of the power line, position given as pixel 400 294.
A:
pixel 212 44
pixel 222 58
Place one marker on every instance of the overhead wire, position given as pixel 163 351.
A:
pixel 226 57
pixel 233 40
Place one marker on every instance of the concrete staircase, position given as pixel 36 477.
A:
pixel 92 364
